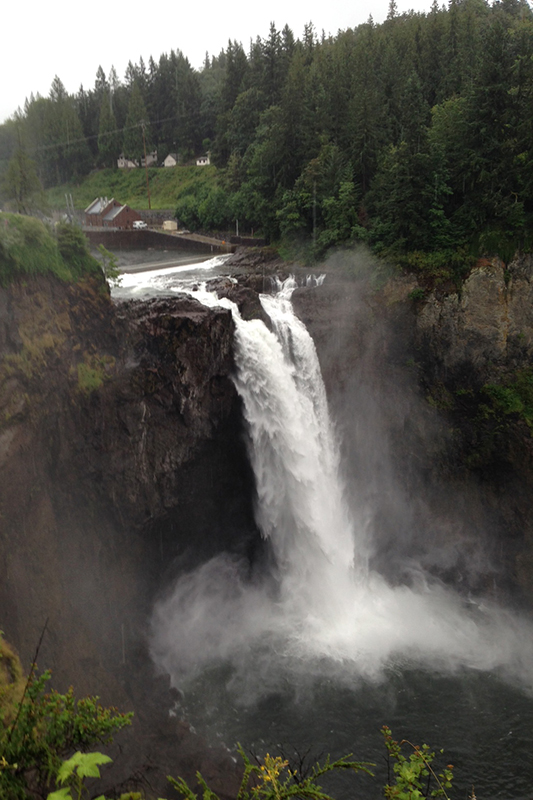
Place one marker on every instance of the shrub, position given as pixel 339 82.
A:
pixel 513 396
pixel 47 726
pixel 415 777
pixel 273 780
pixel 28 247
pixel 73 247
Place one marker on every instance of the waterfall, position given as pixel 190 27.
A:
pixel 300 505
pixel 320 607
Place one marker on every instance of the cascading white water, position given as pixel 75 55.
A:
pixel 321 606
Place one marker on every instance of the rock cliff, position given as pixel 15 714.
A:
pixel 121 461
pixel 483 328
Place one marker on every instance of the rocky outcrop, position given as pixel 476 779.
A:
pixel 484 327
pixel 121 462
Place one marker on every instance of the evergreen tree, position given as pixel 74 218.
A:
pixel 21 183
pixel 108 136
pixel 136 122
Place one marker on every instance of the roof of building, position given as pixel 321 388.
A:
pixel 114 212
pixel 98 205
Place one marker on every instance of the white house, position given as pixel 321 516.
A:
pixel 203 161
pixel 151 159
pixel 171 160
pixel 126 163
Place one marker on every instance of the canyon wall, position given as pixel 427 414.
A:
pixel 121 461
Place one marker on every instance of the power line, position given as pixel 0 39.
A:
pixel 70 142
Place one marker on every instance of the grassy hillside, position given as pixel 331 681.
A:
pixel 28 247
pixel 129 186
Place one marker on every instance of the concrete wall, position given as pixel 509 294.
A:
pixel 139 240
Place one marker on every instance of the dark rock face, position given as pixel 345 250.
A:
pixel 172 396
pixel 484 328
pixel 121 462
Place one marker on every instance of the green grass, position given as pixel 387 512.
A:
pixel 28 247
pixel 129 186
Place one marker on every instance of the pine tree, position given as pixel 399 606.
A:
pixel 20 182
pixel 136 122
pixel 108 137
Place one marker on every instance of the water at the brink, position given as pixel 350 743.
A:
pixel 315 640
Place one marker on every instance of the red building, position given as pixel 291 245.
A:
pixel 104 213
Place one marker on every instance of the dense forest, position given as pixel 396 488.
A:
pixel 414 136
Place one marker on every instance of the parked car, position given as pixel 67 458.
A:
pixel 139 225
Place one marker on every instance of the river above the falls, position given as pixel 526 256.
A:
pixel 159 273
pixel 314 660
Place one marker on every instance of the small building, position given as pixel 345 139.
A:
pixel 171 160
pixel 121 217
pixel 151 159
pixel 94 213
pixel 104 213
pixel 203 161
pixel 126 163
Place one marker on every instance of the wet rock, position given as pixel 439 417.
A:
pixel 485 327
pixel 122 462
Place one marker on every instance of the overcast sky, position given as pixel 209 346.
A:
pixel 71 39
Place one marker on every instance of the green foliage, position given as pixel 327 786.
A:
pixel 89 378
pixel 270 778
pixel 187 213
pixel 21 183
pixel 12 682
pixel 93 371
pixel 513 397
pixel 129 186
pixel 108 138
pixel 414 136
pixel 414 774
pixel 437 266
pixel 47 727
pixel 74 249
pixel 110 267
pixel 273 780
pixel 28 247
pixel 136 124
pixel 74 770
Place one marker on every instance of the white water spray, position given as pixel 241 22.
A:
pixel 321 608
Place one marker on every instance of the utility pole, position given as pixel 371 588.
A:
pixel 146 166
pixel 314 217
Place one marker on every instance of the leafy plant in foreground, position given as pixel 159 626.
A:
pixel 273 780
pixel 47 727
pixel 74 771
pixel 414 774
